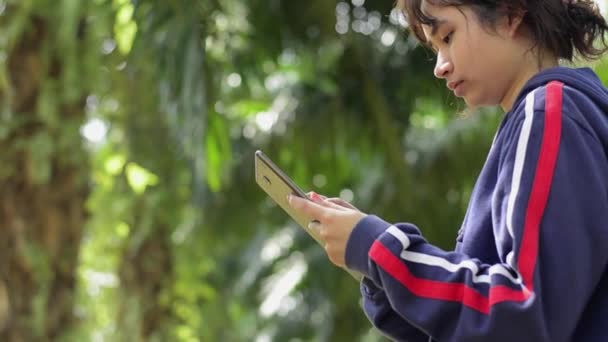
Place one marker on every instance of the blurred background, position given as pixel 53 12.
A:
pixel 128 205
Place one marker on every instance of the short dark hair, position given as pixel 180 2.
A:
pixel 563 27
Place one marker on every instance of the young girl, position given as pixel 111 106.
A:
pixel 531 262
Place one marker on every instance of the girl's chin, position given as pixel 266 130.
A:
pixel 470 103
pixel 476 103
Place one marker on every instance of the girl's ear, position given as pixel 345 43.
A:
pixel 514 21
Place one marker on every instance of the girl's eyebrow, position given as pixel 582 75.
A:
pixel 435 26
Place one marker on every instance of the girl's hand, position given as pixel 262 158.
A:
pixel 336 222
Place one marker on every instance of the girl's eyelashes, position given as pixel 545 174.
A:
pixel 445 40
pixel 448 38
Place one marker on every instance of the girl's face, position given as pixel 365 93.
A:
pixel 482 66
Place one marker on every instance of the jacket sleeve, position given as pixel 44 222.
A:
pixel 384 318
pixel 549 221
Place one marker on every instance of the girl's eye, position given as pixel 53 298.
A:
pixel 447 39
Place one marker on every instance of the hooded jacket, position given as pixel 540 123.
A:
pixel 531 255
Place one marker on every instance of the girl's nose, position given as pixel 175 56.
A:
pixel 443 67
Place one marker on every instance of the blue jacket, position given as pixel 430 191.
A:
pixel 531 259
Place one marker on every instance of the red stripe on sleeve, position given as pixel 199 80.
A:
pixel 453 292
pixel 542 182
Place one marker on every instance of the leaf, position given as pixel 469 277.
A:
pixel 139 178
pixel 249 107
pixel 125 27
pixel 219 152
pixel 114 163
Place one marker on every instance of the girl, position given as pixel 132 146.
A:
pixel 531 262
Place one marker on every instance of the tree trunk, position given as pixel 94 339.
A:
pixel 41 217
pixel 145 272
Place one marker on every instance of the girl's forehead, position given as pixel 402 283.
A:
pixel 429 9
pixel 438 15
pixel 445 14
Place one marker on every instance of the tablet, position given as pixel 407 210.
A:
pixel 278 186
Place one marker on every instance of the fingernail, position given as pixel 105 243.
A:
pixel 289 199
pixel 316 197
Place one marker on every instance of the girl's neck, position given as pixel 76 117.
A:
pixel 531 68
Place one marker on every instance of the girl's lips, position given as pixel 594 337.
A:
pixel 452 84
pixel 458 89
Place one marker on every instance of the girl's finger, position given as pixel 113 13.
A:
pixel 314 225
pixel 341 203
pixel 315 196
pixel 322 200
pixel 311 209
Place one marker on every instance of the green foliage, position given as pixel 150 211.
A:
pixel 180 237
pixel 316 101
